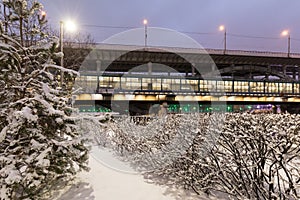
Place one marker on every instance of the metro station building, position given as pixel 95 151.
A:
pixel 136 79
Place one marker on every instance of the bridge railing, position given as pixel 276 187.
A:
pixel 253 53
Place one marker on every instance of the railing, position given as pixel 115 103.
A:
pixel 122 47
pixel 117 47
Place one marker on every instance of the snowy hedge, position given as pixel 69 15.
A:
pixel 244 155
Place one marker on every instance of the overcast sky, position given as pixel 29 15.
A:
pixel 254 18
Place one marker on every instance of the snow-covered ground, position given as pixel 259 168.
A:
pixel 105 183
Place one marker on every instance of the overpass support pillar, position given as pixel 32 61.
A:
pixel 294 74
pixel 193 70
pixel 213 67
pixel 269 71
pixel 213 70
pixel 284 70
pixel 267 76
pixel 98 64
pixel 149 68
pixel 250 75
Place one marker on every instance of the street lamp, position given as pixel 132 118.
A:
pixel 223 28
pixel 43 14
pixel 70 26
pixel 287 33
pixel 42 17
pixel 145 22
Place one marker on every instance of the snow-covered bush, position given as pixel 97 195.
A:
pixel 254 157
pixel 40 143
pixel 257 156
pixel 154 142
pixel 244 155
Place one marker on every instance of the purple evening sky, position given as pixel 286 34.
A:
pixel 250 24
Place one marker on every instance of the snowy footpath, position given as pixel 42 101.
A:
pixel 105 183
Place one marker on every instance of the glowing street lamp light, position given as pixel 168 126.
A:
pixel 42 16
pixel 70 26
pixel 145 22
pixel 285 33
pixel 43 13
pixel 223 28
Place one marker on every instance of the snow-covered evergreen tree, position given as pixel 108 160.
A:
pixel 40 144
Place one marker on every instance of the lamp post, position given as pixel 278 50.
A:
pixel 70 26
pixel 223 28
pixel 145 22
pixel 287 33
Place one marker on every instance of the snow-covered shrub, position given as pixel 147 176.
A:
pixel 244 155
pixel 254 157
pixel 257 156
pixel 40 143
pixel 154 143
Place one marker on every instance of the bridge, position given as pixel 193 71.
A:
pixel 143 77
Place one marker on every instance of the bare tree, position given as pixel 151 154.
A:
pixel 76 48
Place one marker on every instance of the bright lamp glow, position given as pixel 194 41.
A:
pixel 221 28
pixel 145 21
pixel 70 26
pixel 43 13
pixel 285 33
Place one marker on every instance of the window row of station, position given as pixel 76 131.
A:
pixel 187 85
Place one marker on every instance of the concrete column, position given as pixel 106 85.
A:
pixel 267 76
pixel 213 67
pixel 149 68
pixel 284 70
pixel 99 63
pixel 268 72
pixel 232 71
pixel 250 76
pixel 193 69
